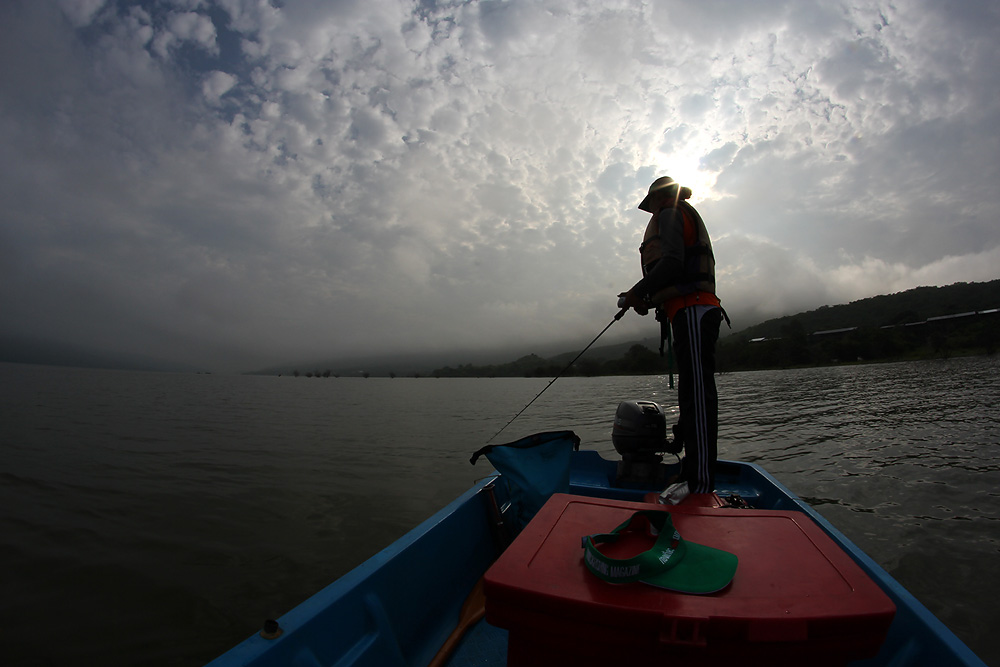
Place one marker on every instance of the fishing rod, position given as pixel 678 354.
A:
pixel 620 315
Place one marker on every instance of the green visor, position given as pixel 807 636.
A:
pixel 672 563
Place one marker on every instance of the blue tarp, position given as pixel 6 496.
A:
pixel 533 468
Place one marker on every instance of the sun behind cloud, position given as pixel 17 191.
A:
pixel 684 166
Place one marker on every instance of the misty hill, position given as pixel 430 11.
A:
pixel 27 350
pixel 915 305
pixel 863 319
pixel 877 328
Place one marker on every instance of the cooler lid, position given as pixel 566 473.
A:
pixel 792 580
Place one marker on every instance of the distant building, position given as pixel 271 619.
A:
pixel 951 317
pixel 828 332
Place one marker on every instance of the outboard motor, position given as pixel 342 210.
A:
pixel 639 435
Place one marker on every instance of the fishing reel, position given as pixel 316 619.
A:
pixel 640 436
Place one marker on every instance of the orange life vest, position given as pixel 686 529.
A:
pixel 697 282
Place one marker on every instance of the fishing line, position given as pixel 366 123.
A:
pixel 620 314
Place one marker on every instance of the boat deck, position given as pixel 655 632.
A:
pixel 400 606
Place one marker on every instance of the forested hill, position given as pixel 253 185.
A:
pixel 915 305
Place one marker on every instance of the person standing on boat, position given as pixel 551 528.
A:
pixel 678 270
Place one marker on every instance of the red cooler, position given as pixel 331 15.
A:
pixel 796 598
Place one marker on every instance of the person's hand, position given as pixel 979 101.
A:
pixel 632 300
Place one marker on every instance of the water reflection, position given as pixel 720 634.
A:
pixel 903 458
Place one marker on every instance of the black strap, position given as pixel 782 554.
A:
pixel 664 321
pixel 699 250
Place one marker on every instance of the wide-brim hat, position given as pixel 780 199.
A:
pixel 660 188
pixel 672 563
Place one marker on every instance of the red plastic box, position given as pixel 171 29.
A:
pixel 796 597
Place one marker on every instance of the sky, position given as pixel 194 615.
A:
pixel 239 183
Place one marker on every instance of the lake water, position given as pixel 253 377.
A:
pixel 157 519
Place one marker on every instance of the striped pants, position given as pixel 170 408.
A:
pixel 696 331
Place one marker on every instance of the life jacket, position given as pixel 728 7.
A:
pixel 698 272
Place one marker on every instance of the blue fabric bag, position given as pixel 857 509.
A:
pixel 534 468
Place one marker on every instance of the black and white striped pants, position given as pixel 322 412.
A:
pixel 696 331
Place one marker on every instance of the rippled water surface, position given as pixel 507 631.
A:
pixel 158 518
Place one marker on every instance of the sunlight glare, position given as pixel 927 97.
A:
pixel 684 168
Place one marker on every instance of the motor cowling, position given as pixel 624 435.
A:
pixel 640 429
pixel 639 435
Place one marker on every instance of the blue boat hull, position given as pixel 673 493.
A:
pixel 400 606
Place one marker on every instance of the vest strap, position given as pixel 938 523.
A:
pixel 654 237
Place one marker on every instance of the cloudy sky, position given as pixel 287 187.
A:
pixel 242 182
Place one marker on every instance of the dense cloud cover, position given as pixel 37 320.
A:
pixel 243 182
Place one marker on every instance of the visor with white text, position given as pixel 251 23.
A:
pixel 672 563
